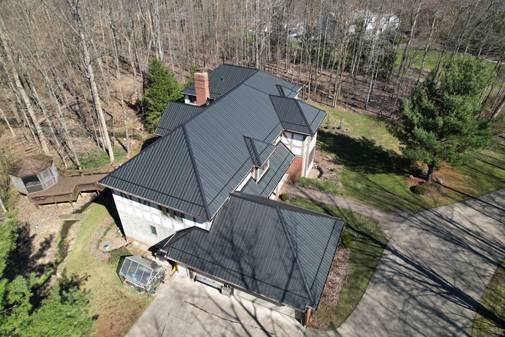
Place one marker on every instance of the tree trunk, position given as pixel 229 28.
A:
pixel 429 175
pixel 20 89
pixel 4 117
pixel 499 108
pixel 91 79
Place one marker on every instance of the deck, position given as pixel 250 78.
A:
pixel 67 189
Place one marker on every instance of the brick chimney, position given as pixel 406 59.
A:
pixel 202 88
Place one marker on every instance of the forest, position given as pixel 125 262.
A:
pixel 73 72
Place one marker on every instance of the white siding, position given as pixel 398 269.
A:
pixel 308 161
pixel 301 146
pixel 294 142
pixel 137 216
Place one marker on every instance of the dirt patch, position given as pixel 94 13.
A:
pixel 45 222
pixel 325 167
pixel 332 288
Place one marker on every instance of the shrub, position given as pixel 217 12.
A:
pixel 420 189
pixel 284 197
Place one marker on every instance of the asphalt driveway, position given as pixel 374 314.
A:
pixel 433 273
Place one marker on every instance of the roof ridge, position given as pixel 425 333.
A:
pixel 301 112
pixel 318 112
pixel 254 198
pixel 291 245
pixel 195 168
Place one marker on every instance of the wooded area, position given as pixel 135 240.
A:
pixel 73 72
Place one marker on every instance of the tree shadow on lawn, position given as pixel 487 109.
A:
pixel 363 154
pixel 413 275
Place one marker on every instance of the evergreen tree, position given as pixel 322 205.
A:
pixel 441 121
pixel 162 88
pixel 62 311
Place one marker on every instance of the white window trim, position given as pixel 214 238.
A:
pixel 259 172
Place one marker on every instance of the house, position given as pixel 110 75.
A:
pixel 203 194
pixel 374 23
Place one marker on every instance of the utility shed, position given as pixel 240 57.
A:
pixel 143 274
pixel 33 174
pixel 263 247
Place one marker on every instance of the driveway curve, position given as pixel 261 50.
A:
pixel 431 277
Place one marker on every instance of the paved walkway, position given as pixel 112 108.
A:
pixel 389 221
pixel 432 275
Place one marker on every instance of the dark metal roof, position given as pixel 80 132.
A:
pixel 163 173
pixel 258 150
pixel 175 114
pixel 266 247
pixel 297 116
pixel 280 160
pixel 201 159
pixel 223 79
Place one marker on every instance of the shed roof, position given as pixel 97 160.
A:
pixel 266 247
pixel 30 166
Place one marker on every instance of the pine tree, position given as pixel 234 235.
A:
pixel 441 120
pixel 162 88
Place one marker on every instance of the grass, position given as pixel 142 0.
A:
pixel 115 306
pixel 374 171
pixel 327 186
pixel 366 242
pixel 432 58
pixel 97 158
pixel 494 300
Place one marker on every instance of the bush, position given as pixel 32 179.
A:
pixel 420 189
pixel 284 197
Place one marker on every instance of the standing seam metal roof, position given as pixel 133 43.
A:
pixel 175 114
pixel 194 167
pixel 266 247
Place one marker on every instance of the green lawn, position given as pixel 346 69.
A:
pixel 366 242
pixel 374 172
pixel 494 301
pixel 116 307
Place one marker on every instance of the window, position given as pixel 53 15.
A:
pixel 153 230
pixel 259 172
pixel 189 99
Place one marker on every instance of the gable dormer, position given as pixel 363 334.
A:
pixel 260 153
